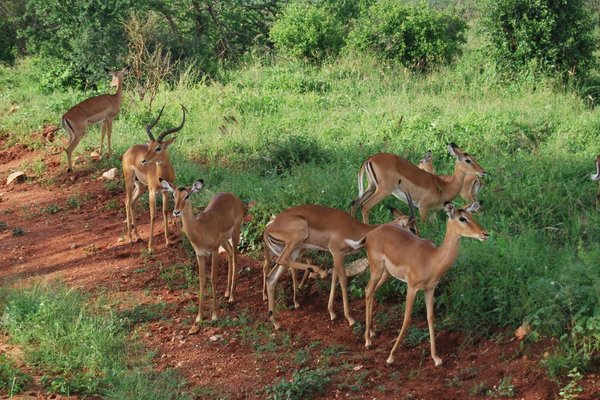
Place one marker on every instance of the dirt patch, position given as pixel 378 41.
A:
pixel 72 230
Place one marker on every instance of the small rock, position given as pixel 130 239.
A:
pixel 79 160
pixel 523 331
pixel 214 338
pixel 357 368
pixel 111 174
pixel 95 156
pixel 73 246
pixel 17 176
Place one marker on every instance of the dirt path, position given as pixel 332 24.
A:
pixel 71 230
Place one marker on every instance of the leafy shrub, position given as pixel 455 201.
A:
pixel 12 380
pixel 556 36
pixel 281 155
pixel 305 30
pixel 415 35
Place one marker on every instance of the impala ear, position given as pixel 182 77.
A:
pixel 108 70
pixel 427 156
pixel 455 151
pixel 449 209
pixel 126 70
pixel 473 208
pixel 166 185
pixel 197 186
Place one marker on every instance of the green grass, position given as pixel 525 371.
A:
pixel 302 132
pixel 81 347
pixel 12 379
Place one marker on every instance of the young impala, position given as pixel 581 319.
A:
pixel 418 262
pixel 596 177
pixel 471 185
pixel 218 225
pixel 98 109
pixel 143 166
pixel 313 227
pixel 389 174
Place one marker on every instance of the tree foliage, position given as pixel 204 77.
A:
pixel 553 35
pixel 307 30
pixel 416 35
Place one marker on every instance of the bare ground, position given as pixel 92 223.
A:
pixel 80 245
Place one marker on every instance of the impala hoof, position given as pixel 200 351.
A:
pixel 194 329
pixel 389 361
pixel 351 321
pixel 323 274
pixel 437 361
pixel 214 317
pixel 296 305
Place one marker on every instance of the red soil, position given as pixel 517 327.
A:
pixel 80 246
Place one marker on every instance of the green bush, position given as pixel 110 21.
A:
pixel 305 30
pixel 549 35
pixel 415 35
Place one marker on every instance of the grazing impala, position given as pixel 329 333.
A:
pixel 218 225
pixel 91 111
pixel 143 167
pixel 596 177
pixel 418 262
pixel 471 184
pixel 389 174
pixel 313 227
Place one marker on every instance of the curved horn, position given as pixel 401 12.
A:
pixel 173 130
pixel 411 207
pixel 149 127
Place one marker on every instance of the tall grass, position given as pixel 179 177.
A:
pixel 80 346
pixel 302 132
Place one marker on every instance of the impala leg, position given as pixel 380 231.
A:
pixel 201 282
pixel 377 275
pixel 430 323
pixel 109 124
pixel 152 206
pixel 304 278
pixel 74 139
pixel 294 287
pixel 138 191
pixel 380 194
pixel 165 207
pixel 103 127
pixel 266 264
pixel 231 268
pixel 410 298
pixel 338 263
pixel 271 282
pixel 334 277
pixel 213 278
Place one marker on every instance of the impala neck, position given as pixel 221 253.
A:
pixel 452 188
pixel 119 93
pixel 448 251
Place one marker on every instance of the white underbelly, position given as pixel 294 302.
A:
pixel 396 272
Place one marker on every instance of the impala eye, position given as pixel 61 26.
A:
pixel 462 219
pixel 187 196
pixel 157 149
pixel 468 161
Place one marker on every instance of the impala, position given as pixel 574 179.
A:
pixel 143 167
pixel 418 262
pixel 390 174
pixel 313 227
pixel 98 109
pixel 219 225
pixel 471 185
pixel 596 177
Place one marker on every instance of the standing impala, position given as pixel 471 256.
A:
pixel 389 174
pixel 143 167
pixel 596 177
pixel 218 225
pixel 418 262
pixel 98 109
pixel 471 185
pixel 313 227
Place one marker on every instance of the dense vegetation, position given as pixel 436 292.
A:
pixel 301 130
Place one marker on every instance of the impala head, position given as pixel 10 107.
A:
pixel 117 75
pixel 464 223
pixel 465 161
pixel 426 163
pixel 181 195
pixel 596 176
pixel 157 147
pixel 409 221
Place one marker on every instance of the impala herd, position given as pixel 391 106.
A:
pixel 393 249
